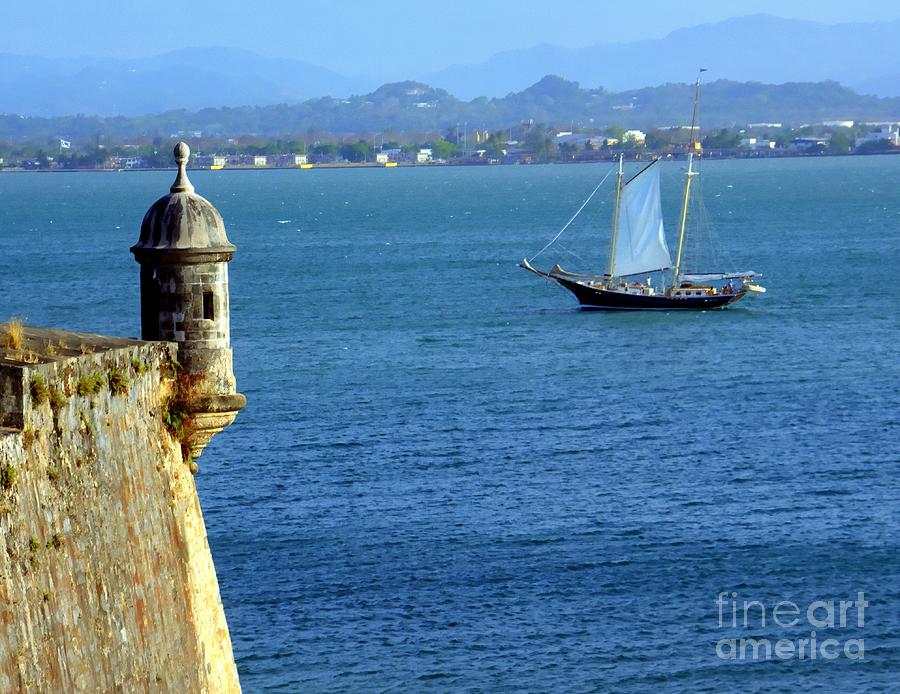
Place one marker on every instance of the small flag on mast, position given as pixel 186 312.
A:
pixel 65 144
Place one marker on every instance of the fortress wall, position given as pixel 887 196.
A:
pixel 106 579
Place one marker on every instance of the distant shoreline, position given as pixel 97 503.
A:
pixel 409 165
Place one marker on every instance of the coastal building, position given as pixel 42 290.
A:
pixel 219 161
pixel 382 158
pixel 127 162
pixel 300 159
pixel 802 144
pixel 753 143
pixel 259 161
pixel 424 155
pixel 889 132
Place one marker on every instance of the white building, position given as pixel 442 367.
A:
pixel 382 158
pixel 300 159
pixel 259 161
pixel 754 144
pixel 889 132
pixel 220 161
pixel 423 155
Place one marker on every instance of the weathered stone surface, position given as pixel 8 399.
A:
pixel 106 579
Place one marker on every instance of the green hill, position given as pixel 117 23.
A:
pixel 415 108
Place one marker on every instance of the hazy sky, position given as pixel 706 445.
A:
pixel 382 39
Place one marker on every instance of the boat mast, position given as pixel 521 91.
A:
pixel 687 182
pixel 615 224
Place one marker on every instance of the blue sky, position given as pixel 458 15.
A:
pixel 387 39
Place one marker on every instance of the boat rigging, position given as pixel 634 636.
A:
pixel 638 248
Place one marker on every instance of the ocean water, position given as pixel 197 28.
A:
pixel 448 478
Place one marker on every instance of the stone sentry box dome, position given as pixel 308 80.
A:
pixel 184 252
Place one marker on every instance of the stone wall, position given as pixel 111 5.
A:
pixel 106 579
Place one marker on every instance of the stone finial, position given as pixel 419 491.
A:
pixel 182 185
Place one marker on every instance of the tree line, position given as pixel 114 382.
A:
pixel 538 142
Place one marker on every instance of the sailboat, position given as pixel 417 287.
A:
pixel 638 249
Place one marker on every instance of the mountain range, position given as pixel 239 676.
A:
pixel 757 48
pixel 192 78
pixel 420 111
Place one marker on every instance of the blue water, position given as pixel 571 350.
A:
pixel 450 479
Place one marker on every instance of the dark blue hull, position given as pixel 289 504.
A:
pixel 606 300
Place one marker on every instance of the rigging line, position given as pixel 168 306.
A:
pixel 655 159
pixel 583 205
pixel 570 252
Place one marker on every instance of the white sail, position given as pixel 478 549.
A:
pixel 641 242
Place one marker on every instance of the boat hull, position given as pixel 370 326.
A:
pixel 594 298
